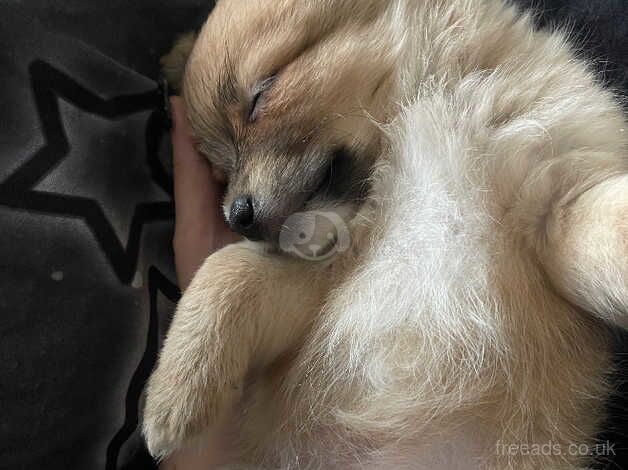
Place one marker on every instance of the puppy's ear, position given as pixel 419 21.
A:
pixel 587 253
pixel 173 64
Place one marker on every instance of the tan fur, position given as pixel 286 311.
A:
pixel 487 264
pixel 175 61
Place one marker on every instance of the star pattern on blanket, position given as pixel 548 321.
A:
pixel 32 187
pixel 57 180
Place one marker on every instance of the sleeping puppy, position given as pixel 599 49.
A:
pixel 479 172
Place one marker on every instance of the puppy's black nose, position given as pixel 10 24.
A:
pixel 242 217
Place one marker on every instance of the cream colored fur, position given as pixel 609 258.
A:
pixel 473 309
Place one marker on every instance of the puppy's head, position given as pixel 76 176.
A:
pixel 283 96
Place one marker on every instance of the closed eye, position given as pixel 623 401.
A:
pixel 253 112
pixel 257 101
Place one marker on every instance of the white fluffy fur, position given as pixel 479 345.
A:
pixel 489 256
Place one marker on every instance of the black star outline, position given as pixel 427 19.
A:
pixel 157 283
pixel 48 85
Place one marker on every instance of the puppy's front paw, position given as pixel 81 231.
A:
pixel 203 363
pixel 164 428
pixel 181 404
pixel 169 416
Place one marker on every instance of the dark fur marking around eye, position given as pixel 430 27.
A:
pixel 346 176
pixel 227 94
pixel 227 88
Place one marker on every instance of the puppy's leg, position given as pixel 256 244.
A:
pixel 173 63
pixel 586 251
pixel 242 310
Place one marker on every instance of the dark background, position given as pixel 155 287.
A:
pixel 86 278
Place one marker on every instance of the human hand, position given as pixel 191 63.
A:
pixel 200 227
